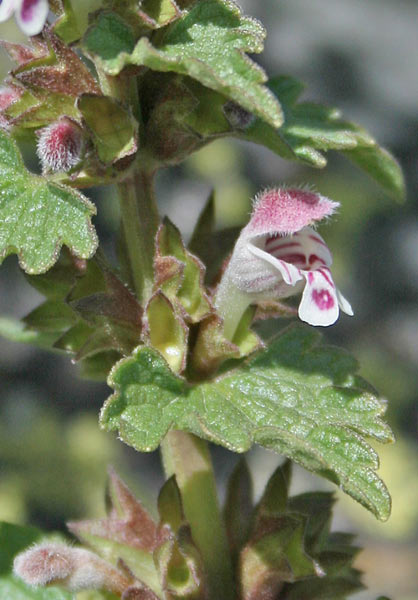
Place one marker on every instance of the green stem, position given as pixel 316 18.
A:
pixel 139 225
pixel 188 458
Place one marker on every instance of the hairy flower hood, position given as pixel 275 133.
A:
pixel 278 254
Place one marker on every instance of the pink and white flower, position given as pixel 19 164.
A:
pixel 30 15
pixel 277 255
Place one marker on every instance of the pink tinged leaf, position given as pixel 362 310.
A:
pixel 319 304
pixel 127 523
pixel 7 8
pixel 31 15
pixel 286 211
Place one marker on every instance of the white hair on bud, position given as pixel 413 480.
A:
pixel 74 568
pixel 43 563
pixel 60 145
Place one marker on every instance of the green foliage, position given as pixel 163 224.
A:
pixel 14 539
pixel 311 129
pixel 208 44
pixel 286 547
pixel 37 217
pixel 297 398
pixel 89 312
pixel 113 129
pixel 179 274
pixel 128 533
pixel 73 20
pixel 48 77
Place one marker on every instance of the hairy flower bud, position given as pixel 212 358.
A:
pixel 30 15
pixel 74 568
pixel 278 255
pixel 60 145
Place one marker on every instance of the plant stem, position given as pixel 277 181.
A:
pixel 187 457
pixel 139 225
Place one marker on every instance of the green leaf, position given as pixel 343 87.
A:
pixel 13 588
pixel 238 507
pixel 72 23
pixel 208 44
pixel 297 398
pixel 14 539
pixel 15 331
pixel 52 315
pixel 97 367
pixel 167 331
pixel 37 217
pixel 158 13
pixel 180 274
pixel 109 39
pixel 113 129
pixel 310 129
pixel 381 166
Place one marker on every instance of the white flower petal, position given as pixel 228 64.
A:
pixel 319 304
pixel 344 304
pixel 290 274
pixel 31 16
pixel 6 9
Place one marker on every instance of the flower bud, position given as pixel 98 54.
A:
pixel 60 145
pixel 74 568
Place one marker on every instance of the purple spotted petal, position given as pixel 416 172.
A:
pixel 31 15
pixel 319 304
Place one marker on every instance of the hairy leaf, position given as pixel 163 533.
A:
pixel 38 217
pixel 208 44
pixel 297 398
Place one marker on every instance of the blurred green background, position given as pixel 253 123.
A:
pixel 359 55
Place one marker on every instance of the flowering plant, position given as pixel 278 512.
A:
pixel 111 93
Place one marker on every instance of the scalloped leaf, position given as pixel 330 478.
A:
pixel 38 217
pixel 209 43
pixel 297 398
